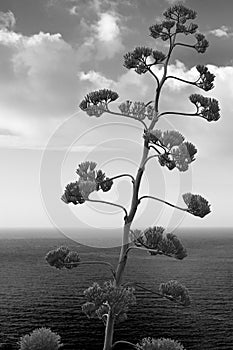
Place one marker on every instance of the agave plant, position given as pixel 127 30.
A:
pixel 111 300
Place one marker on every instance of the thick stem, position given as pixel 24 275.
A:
pixel 109 329
pixel 129 219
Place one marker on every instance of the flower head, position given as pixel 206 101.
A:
pixel 197 205
pixel 176 291
pixel 86 187
pixel 153 238
pixel 100 298
pixel 62 257
pixel 73 194
pixel 95 103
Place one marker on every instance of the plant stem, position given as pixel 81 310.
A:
pixel 161 200
pixel 109 331
pixel 110 203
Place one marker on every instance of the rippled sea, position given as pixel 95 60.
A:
pixel 32 294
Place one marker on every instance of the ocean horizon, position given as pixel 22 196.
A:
pixel 33 294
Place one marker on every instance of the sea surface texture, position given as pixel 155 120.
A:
pixel 33 294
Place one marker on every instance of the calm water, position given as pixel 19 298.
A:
pixel 32 294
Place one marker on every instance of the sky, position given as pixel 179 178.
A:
pixel 52 53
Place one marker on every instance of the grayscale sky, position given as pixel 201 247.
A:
pixel 53 52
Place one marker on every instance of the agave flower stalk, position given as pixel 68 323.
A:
pixel 110 301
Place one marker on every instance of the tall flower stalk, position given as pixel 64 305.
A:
pixel 110 302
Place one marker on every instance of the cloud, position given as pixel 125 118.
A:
pixel 7 20
pixel 108 34
pixel 221 32
pixel 97 79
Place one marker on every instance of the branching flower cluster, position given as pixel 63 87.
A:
pixel 197 205
pixel 90 180
pixel 207 108
pixel 63 257
pixel 142 59
pixel 102 299
pixel 206 79
pixel 176 153
pixel 153 238
pixel 96 102
pixel 176 291
pixel 138 110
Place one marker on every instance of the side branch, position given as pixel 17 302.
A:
pixel 150 250
pixel 154 75
pixel 163 201
pixel 118 176
pixel 182 80
pixel 110 203
pixel 186 45
pixel 179 113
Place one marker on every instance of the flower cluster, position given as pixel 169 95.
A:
pixel 189 29
pixel 63 257
pixel 137 59
pixel 40 339
pixel 96 102
pixel 179 13
pixel 175 291
pixel 138 110
pixel 101 299
pixel 197 205
pixel 206 79
pixel 90 180
pixel 177 153
pixel 202 44
pixel 159 344
pixel 207 108
pixel 175 17
pixel 154 239
pixel 72 194
pixel 161 30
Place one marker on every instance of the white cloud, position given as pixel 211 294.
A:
pixel 107 28
pixel 7 20
pixel 221 32
pixel 97 79
pixel 106 35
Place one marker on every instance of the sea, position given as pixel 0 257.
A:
pixel 34 295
